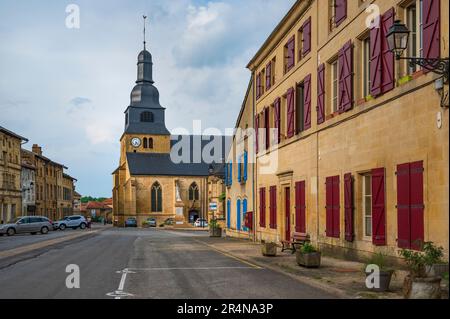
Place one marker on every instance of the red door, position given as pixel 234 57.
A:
pixel 288 214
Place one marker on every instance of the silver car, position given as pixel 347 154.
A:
pixel 27 224
pixel 74 222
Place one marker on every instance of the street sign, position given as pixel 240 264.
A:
pixel 213 206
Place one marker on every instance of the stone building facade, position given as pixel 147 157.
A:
pixel 28 186
pixel 352 146
pixel 154 178
pixel 10 175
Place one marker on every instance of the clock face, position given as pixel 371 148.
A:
pixel 136 142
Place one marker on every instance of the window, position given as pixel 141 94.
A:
pixel 367 205
pixel 193 192
pixel 289 53
pixel 147 117
pixel 126 119
pixel 299 108
pixel 334 86
pixel 366 67
pixel 228 213
pixel 156 197
pixel 414 22
pixel 333 207
pixel 145 142
pixel 150 143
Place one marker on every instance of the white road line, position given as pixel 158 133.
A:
pixel 119 293
pixel 188 268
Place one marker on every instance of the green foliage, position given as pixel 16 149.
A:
pixel 87 199
pixel 307 248
pixel 380 260
pixel 222 197
pixel 404 79
pixel 214 224
pixel 417 261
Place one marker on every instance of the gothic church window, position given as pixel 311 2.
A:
pixel 193 192
pixel 156 198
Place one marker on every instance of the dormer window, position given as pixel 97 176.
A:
pixel 147 117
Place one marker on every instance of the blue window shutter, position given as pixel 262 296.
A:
pixel 238 214
pixel 231 173
pixel 226 174
pixel 245 166
pixel 239 169
pixel 228 214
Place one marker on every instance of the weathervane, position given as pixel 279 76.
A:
pixel 145 18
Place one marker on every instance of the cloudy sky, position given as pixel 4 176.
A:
pixel 66 89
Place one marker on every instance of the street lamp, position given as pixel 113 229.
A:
pixel 398 38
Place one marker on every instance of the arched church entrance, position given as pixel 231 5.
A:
pixel 193 216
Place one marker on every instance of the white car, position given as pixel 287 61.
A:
pixel 201 222
pixel 73 222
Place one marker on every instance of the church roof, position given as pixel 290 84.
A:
pixel 152 164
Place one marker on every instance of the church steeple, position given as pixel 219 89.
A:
pixel 145 115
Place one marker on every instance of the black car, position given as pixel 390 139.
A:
pixel 131 222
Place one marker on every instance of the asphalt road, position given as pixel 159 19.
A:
pixel 130 263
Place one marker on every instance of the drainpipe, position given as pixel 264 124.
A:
pixel 254 180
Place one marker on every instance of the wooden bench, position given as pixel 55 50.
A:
pixel 297 239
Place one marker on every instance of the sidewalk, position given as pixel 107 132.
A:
pixel 345 279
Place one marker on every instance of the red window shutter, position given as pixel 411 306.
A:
pixel 417 205
pixel 277 117
pixel 290 113
pixel 257 133
pixel 349 208
pixel 403 206
pixel 267 126
pixel 306 30
pixel 329 206
pixel 273 207
pixel 431 29
pixel 340 11
pixel 387 57
pixel 262 207
pixel 269 76
pixel 300 207
pixel 346 77
pixel 376 66
pixel 321 94
pixel 378 207
pixel 336 208
pixel 290 57
pixel 258 86
pixel 307 103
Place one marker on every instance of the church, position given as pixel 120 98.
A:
pixel 163 176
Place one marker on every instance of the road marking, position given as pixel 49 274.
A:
pixel 119 293
pixel 189 268
pixel 229 255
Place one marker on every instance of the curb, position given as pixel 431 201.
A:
pixel 304 280
pixel 28 248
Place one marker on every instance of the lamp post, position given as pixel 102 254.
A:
pixel 398 38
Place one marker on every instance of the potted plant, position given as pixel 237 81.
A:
pixel 386 273
pixel 420 284
pixel 145 224
pixel 308 256
pixel 214 228
pixel 269 249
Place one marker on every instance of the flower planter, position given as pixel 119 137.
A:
pixel 385 281
pixel 422 288
pixel 437 270
pixel 215 232
pixel 308 260
pixel 269 249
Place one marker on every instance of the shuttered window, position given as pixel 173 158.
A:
pixel 238 215
pixel 273 207
pixel 410 205
pixel 245 166
pixel 267 128
pixel 333 207
pixel 290 112
pixel 262 207
pixel 346 78
pixel 300 207
pixel 228 214
pixel 321 94
pixel 269 75
pixel 257 133
pixel 289 53
pixel 306 38
pixel 349 208
pixel 277 121
pixel 382 78
pixel 378 207
pixel 307 103
pixel 431 29
pixel 340 11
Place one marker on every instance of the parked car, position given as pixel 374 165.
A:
pixel 27 224
pixel 201 222
pixel 74 222
pixel 131 222
pixel 152 222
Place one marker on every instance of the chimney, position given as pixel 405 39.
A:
pixel 37 149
